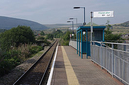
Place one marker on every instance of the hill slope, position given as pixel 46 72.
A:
pixel 125 24
pixel 94 24
pixel 8 23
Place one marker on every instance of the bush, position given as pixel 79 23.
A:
pixel 65 43
pixel 50 36
pixel 9 60
pixel 65 39
pixel 6 65
pixel 109 36
pixel 15 36
pixel 35 49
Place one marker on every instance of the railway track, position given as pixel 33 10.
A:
pixel 36 74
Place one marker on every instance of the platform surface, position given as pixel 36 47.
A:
pixel 70 69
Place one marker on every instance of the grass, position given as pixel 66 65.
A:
pixel 119 29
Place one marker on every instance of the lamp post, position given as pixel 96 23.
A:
pixel 72 29
pixel 72 24
pixel 72 19
pixel 84 13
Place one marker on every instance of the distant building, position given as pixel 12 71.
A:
pixel 125 36
pixel 39 34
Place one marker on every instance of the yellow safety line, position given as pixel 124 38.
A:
pixel 71 77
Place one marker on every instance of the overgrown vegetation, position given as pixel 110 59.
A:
pixel 16 45
pixel 57 34
pixel 2 30
pixel 65 38
pixel 50 36
pixel 13 57
pixel 109 36
pixel 42 33
pixel 15 36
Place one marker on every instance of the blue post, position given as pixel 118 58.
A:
pixel 87 44
pixel 81 45
pixel 103 35
pixel 77 42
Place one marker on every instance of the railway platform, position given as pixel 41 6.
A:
pixel 70 69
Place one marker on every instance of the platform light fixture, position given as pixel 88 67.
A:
pixel 84 13
pixel 74 18
pixel 72 24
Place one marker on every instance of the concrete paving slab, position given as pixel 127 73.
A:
pixel 59 74
pixel 86 72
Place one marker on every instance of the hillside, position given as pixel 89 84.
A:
pixel 122 28
pixel 8 23
pixel 57 25
pixel 61 25
pixel 125 24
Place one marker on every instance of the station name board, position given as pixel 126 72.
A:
pixel 103 14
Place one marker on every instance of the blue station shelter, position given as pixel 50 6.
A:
pixel 84 38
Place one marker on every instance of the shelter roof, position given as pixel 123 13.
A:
pixel 89 27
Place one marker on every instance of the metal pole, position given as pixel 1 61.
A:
pixel 72 29
pixel 91 26
pixel 76 23
pixel 87 43
pixel 112 60
pixel 77 42
pixel 84 14
pixel 81 44
pixel 73 26
pixel 84 17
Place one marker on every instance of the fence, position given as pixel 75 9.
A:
pixel 73 43
pixel 114 57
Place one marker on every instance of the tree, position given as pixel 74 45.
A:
pixel 50 36
pixel 15 36
pixel 66 36
pixel 42 33
pixel 65 39
pixel 41 38
pixel 2 30
pixel 108 34
pixel 57 33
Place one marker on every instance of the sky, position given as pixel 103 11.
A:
pixel 59 11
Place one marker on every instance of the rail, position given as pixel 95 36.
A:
pixel 35 75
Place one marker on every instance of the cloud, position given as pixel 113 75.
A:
pixel 58 11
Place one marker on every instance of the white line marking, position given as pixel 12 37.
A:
pixel 52 68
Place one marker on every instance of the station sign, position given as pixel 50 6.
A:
pixel 103 14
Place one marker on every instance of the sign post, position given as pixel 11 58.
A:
pixel 91 26
pixel 100 14
pixel 103 14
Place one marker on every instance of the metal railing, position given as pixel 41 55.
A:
pixel 73 43
pixel 113 57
